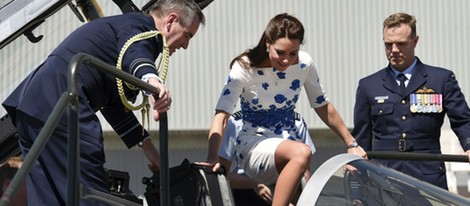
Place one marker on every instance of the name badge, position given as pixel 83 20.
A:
pixel 380 99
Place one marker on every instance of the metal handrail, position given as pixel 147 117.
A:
pixel 416 156
pixel 70 97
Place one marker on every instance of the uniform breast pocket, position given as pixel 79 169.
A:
pixel 381 115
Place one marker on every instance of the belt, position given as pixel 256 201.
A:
pixel 406 145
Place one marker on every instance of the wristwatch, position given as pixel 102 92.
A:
pixel 352 145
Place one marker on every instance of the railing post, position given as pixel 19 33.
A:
pixel 73 145
pixel 164 165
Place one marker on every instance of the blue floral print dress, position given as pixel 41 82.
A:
pixel 267 100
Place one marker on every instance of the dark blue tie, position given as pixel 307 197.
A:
pixel 402 79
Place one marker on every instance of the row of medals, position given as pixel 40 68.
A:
pixel 426 103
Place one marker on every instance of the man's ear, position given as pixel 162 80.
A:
pixel 172 19
pixel 416 40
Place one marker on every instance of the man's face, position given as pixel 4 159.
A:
pixel 179 36
pixel 399 46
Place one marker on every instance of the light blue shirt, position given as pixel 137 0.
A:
pixel 407 72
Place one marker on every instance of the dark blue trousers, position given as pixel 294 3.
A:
pixel 47 181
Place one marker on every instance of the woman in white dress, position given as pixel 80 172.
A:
pixel 267 80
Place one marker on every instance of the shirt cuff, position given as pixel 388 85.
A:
pixel 146 78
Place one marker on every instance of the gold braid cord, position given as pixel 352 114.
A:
pixel 162 71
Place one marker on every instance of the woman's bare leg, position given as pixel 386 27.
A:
pixel 292 159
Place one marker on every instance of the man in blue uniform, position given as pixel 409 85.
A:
pixel 32 101
pixel 402 107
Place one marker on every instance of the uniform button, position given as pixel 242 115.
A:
pixel 381 111
pixel 403 101
pixel 403 135
pixel 403 117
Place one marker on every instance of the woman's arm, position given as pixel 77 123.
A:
pixel 215 137
pixel 331 117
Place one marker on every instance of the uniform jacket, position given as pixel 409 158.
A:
pixel 102 38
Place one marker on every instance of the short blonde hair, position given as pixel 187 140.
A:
pixel 396 19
